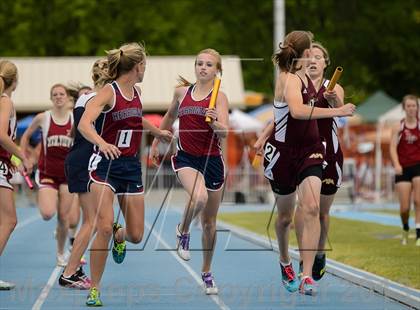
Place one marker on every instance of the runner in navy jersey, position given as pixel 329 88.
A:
pixel 8 219
pixel 333 164
pixel 115 169
pixel 53 194
pixel 405 156
pixel 198 162
pixel 293 154
pixel 76 167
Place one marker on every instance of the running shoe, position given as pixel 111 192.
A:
pixel 208 283
pixel 318 268
pixel 6 286
pixel 61 260
pixel 183 244
pixel 93 299
pixel 404 238
pixel 74 281
pixel 307 286
pixel 83 275
pixel 289 279
pixel 119 248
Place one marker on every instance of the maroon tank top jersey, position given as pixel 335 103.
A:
pixel 289 131
pixel 122 124
pixel 11 132
pixel 56 143
pixel 196 137
pixel 408 148
pixel 328 128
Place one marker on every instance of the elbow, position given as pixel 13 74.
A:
pixel 296 114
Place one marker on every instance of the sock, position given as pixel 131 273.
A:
pixel 285 264
pixel 417 230
pixel 406 227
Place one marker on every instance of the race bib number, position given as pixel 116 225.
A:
pixel 269 151
pixel 4 169
pixel 125 138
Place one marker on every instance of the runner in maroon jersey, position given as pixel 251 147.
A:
pixel 198 162
pixel 53 194
pixel 115 169
pixel 293 155
pixel 332 172
pixel 8 83
pixel 405 156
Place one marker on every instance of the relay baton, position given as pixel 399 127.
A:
pixel 213 98
pixel 334 79
pixel 256 162
pixel 16 161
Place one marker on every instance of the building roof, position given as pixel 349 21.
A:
pixel 37 75
pixel 376 105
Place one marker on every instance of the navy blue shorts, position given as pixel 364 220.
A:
pixel 211 167
pixel 122 175
pixel 77 178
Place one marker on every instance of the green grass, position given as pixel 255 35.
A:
pixel 372 247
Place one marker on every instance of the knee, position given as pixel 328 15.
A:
pixel 105 229
pixel 208 225
pixel 311 210
pixel 417 202
pixel 284 220
pixel 136 236
pixel 46 216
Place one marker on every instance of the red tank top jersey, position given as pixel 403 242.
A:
pixel 408 147
pixel 293 132
pixel 328 129
pixel 11 132
pixel 122 125
pixel 196 137
pixel 55 144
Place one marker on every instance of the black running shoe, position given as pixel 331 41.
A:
pixel 318 268
pixel 74 281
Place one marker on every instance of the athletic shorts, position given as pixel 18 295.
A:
pixel 5 173
pixel 123 175
pixel 408 174
pixel 77 178
pixel 211 167
pixel 332 174
pixel 286 167
pixel 44 180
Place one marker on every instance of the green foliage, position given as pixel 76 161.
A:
pixel 377 42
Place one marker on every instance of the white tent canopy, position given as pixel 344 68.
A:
pixel 394 115
pixel 37 75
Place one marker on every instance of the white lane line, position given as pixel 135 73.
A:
pixel 27 221
pixel 217 300
pixel 46 290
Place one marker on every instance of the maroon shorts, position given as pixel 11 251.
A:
pixel 332 174
pixel 43 180
pixel 286 167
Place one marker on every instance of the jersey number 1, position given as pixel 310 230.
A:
pixel 125 138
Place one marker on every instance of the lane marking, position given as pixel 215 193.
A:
pixel 46 290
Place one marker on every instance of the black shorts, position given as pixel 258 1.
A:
pixel 211 167
pixel 77 178
pixel 408 174
pixel 122 175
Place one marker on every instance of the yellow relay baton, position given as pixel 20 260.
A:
pixel 213 97
pixel 334 79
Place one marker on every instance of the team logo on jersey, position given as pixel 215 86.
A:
pixel 328 181
pixel 316 155
pixel 410 138
pixel 59 141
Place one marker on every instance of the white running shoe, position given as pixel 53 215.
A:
pixel 210 287
pixel 5 286
pixel 183 244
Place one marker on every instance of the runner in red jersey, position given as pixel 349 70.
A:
pixel 8 83
pixel 53 194
pixel 293 155
pixel 198 162
pixel 405 156
pixel 333 164
pixel 116 168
